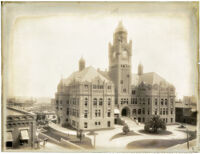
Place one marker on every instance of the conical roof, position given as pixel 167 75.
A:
pixel 120 27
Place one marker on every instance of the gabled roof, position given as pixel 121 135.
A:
pixel 88 74
pixel 148 78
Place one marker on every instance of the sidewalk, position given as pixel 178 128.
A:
pixel 61 129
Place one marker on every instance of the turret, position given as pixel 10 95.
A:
pixel 81 64
pixel 140 69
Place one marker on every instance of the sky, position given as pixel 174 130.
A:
pixel 45 42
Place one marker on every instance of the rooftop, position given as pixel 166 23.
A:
pixel 88 74
pixel 148 78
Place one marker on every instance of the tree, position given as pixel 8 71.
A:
pixel 125 129
pixel 154 125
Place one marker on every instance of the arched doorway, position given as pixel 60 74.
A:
pixel 125 112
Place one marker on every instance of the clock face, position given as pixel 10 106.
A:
pixel 124 54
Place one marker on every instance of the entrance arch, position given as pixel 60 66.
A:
pixel 125 112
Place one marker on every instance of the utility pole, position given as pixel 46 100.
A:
pixel 187 138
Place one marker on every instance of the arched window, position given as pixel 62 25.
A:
pixel 100 101
pixel 166 101
pixel 162 101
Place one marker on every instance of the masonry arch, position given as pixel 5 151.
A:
pixel 125 112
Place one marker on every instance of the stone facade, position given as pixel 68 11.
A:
pixel 156 99
pixel 138 96
pixel 86 104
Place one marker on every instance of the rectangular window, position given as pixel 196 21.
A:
pixel 100 101
pixel 85 125
pixel 86 101
pixel 108 123
pixel 143 100
pixel 166 111
pixel 139 111
pixel 109 114
pixel 134 111
pixel 148 101
pixel 99 113
pixel 162 101
pixel 109 101
pixel 156 101
pixel 122 102
pixel 166 101
pixel 95 101
pixel 85 114
pixel 171 119
pixel 143 111
pixel 121 81
pixel 96 113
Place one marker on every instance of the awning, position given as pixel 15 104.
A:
pixel 116 111
pixel 9 137
pixel 24 135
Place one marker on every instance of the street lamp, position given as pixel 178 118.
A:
pixel 80 134
pixel 94 134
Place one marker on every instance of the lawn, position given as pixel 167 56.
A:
pixel 159 143
pixel 119 135
pixel 160 132
pixel 85 143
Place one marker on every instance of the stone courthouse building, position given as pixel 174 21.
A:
pixel 94 99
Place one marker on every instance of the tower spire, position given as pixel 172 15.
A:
pixel 140 69
pixel 81 64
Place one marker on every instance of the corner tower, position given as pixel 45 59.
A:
pixel 120 53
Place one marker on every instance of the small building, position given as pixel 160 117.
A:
pixel 20 129
pixel 185 111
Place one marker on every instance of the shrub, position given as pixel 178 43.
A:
pixel 125 129
pixel 154 125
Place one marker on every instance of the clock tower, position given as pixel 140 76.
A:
pixel 120 53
